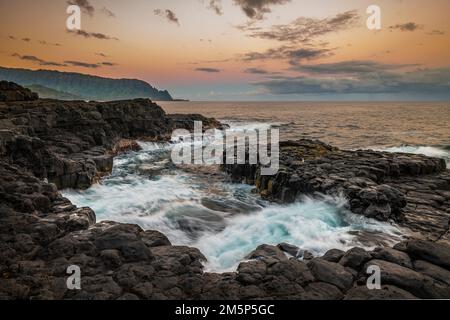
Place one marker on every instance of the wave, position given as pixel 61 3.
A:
pixel 425 150
pixel 225 221
pixel 314 225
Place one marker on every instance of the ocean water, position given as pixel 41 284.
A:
pixel 198 206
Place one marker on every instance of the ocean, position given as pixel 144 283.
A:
pixel 200 207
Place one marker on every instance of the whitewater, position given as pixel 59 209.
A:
pixel 200 207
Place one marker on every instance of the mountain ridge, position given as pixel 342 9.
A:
pixel 89 87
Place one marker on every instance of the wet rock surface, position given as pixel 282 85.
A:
pixel 413 190
pixel 72 143
pixel 42 233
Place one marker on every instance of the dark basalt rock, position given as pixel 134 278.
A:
pixel 42 233
pixel 413 190
pixel 186 121
pixel 332 273
pixel 436 253
pixel 10 91
pixel 72 143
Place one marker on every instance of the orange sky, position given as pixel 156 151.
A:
pixel 167 54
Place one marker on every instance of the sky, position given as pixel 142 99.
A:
pixel 275 50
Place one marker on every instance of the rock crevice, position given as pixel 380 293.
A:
pixel 46 144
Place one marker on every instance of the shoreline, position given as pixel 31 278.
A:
pixel 42 233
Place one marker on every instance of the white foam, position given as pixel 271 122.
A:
pixel 313 225
pixel 424 150
pixel 141 191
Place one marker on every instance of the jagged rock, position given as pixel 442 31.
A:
pixel 72 143
pixel 186 121
pixel 10 91
pixel 42 233
pixel 385 186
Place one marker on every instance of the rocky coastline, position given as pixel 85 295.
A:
pixel 48 145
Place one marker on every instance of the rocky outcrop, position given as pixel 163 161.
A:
pixel 413 190
pixel 183 121
pixel 72 143
pixel 10 91
pixel 42 234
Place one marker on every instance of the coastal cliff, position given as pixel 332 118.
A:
pixel 46 145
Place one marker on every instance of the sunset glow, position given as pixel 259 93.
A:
pixel 222 52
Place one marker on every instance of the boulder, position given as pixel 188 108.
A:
pixel 436 253
pixel 330 272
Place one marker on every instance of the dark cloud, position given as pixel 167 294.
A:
pixel 208 70
pixel 168 14
pixel 361 77
pixel 292 54
pixel 84 5
pixel 255 9
pixel 352 67
pixel 256 71
pixel 216 6
pixel 37 60
pixel 101 54
pixel 304 30
pixel 26 39
pixel 95 35
pixel 45 43
pixel 108 12
pixel 68 63
pixel 82 64
pixel 12 37
pixel 90 65
pixel 436 33
pixel 108 64
pixel 410 26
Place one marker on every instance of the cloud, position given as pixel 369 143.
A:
pixel 304 30
pixel 216 6
pixel 255 9
pixel 12 37
pixel 82 64
pixel 90 65
pixel 256 71
pixel 37 60
pixel 95 35
pixel 84 5
pixel 71 63
pixel 208 70
pixel 26 39
pixel 101 54
pixel 361 77
pixel 410 26
pixel 292 54
pixel 45 43
pixel 108 12
pixel 352 67
pixel 168 14
pixel 108 64
pixel 436 33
